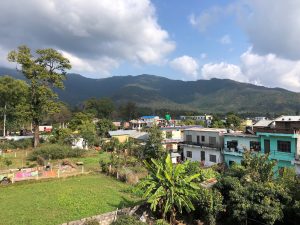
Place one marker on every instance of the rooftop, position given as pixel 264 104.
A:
pixel 121 132
pixel 263 123
pixel 240 134
pixel 181 127
pixel 220 130
pixel 288 119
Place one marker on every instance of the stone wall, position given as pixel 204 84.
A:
pixel 106 218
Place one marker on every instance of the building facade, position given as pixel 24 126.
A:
pixel 203 145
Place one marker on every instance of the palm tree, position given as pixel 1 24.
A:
pixel 168 187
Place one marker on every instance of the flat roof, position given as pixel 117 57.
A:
pixel 238 134
pixel 220 130
pixel 288 119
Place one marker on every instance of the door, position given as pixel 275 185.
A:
pixel 267 146
pixel 202 155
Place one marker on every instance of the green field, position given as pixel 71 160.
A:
pixel 58 201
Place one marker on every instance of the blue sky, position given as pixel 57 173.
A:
pixel 250 41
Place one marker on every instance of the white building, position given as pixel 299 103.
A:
pixel 204 145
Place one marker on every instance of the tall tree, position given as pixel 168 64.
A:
pixel 128 111
pixel 103 126
pixel 153 147
pixel 101 108
pixel 44 70
pixel 13 100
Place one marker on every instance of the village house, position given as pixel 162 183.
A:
pixel 236 143
pixel 281 140
pixel 207 119
pixel 204 145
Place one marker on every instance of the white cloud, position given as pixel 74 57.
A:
pixel 271 70
pixel 187 65
pixel 268 70
pixel 225 40
pixel 210 16
pixel 222 70
pixel 103 33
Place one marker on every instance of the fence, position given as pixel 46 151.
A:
pixel 43 173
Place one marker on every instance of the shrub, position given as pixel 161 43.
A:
pixel 54 151
pixel 23 143
pixel 161 222
pixel 127 220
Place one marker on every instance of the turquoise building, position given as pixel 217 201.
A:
pixel 281 147
pixel 236 143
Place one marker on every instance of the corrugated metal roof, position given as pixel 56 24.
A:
pixel 121 132
pixel 263 123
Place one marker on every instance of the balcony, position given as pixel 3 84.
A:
pixel 201 145
pixel 277 130
pixel 288 156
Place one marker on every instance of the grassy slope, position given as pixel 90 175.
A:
pixel 58 201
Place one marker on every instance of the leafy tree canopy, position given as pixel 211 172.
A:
pixel 44 71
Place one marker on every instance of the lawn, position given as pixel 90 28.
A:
pixel 90 159
pixel 58 201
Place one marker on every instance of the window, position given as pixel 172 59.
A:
pixel 189 154
pixel 202 155
pixel 284 146
pixel 255 146
pixel 232 144
pixel 188 138
pixel 169 134
pixel 198 139
pixel 213 158
pixel 202 138
pixel 212 141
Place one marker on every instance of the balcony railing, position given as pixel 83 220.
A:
pixel 202 145
pixel 277 130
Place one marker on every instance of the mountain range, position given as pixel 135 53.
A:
pixel 214 95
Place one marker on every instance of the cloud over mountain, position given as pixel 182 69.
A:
pixel 96 35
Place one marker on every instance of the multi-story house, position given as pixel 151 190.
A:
pixel 207 119
pixel 172 136
pixel 204 145
pixel 235 144
pixel 281 140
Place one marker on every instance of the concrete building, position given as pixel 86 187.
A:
pixel 281 140
pixel 204 145
pixel 236 143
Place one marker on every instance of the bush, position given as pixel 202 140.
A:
pixel 127 220
pixel 23 143
pixel 55 151
pixel 161 222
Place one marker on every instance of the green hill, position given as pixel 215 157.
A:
pixel 215 95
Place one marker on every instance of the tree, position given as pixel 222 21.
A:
pixel 13 100
pixel 62 116
pixel 153 147
pixel 45 70
pixel 101 108
pixel 209 204
pixel 128 111
pixel 103 126
pixel 87 131
pixel 250 193
pixel 78 119
pixel 168 188
pixel 233 121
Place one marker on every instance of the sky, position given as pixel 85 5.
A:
pixel 250 41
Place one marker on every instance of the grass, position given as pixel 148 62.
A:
pixel 90 159
pixel 58 201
